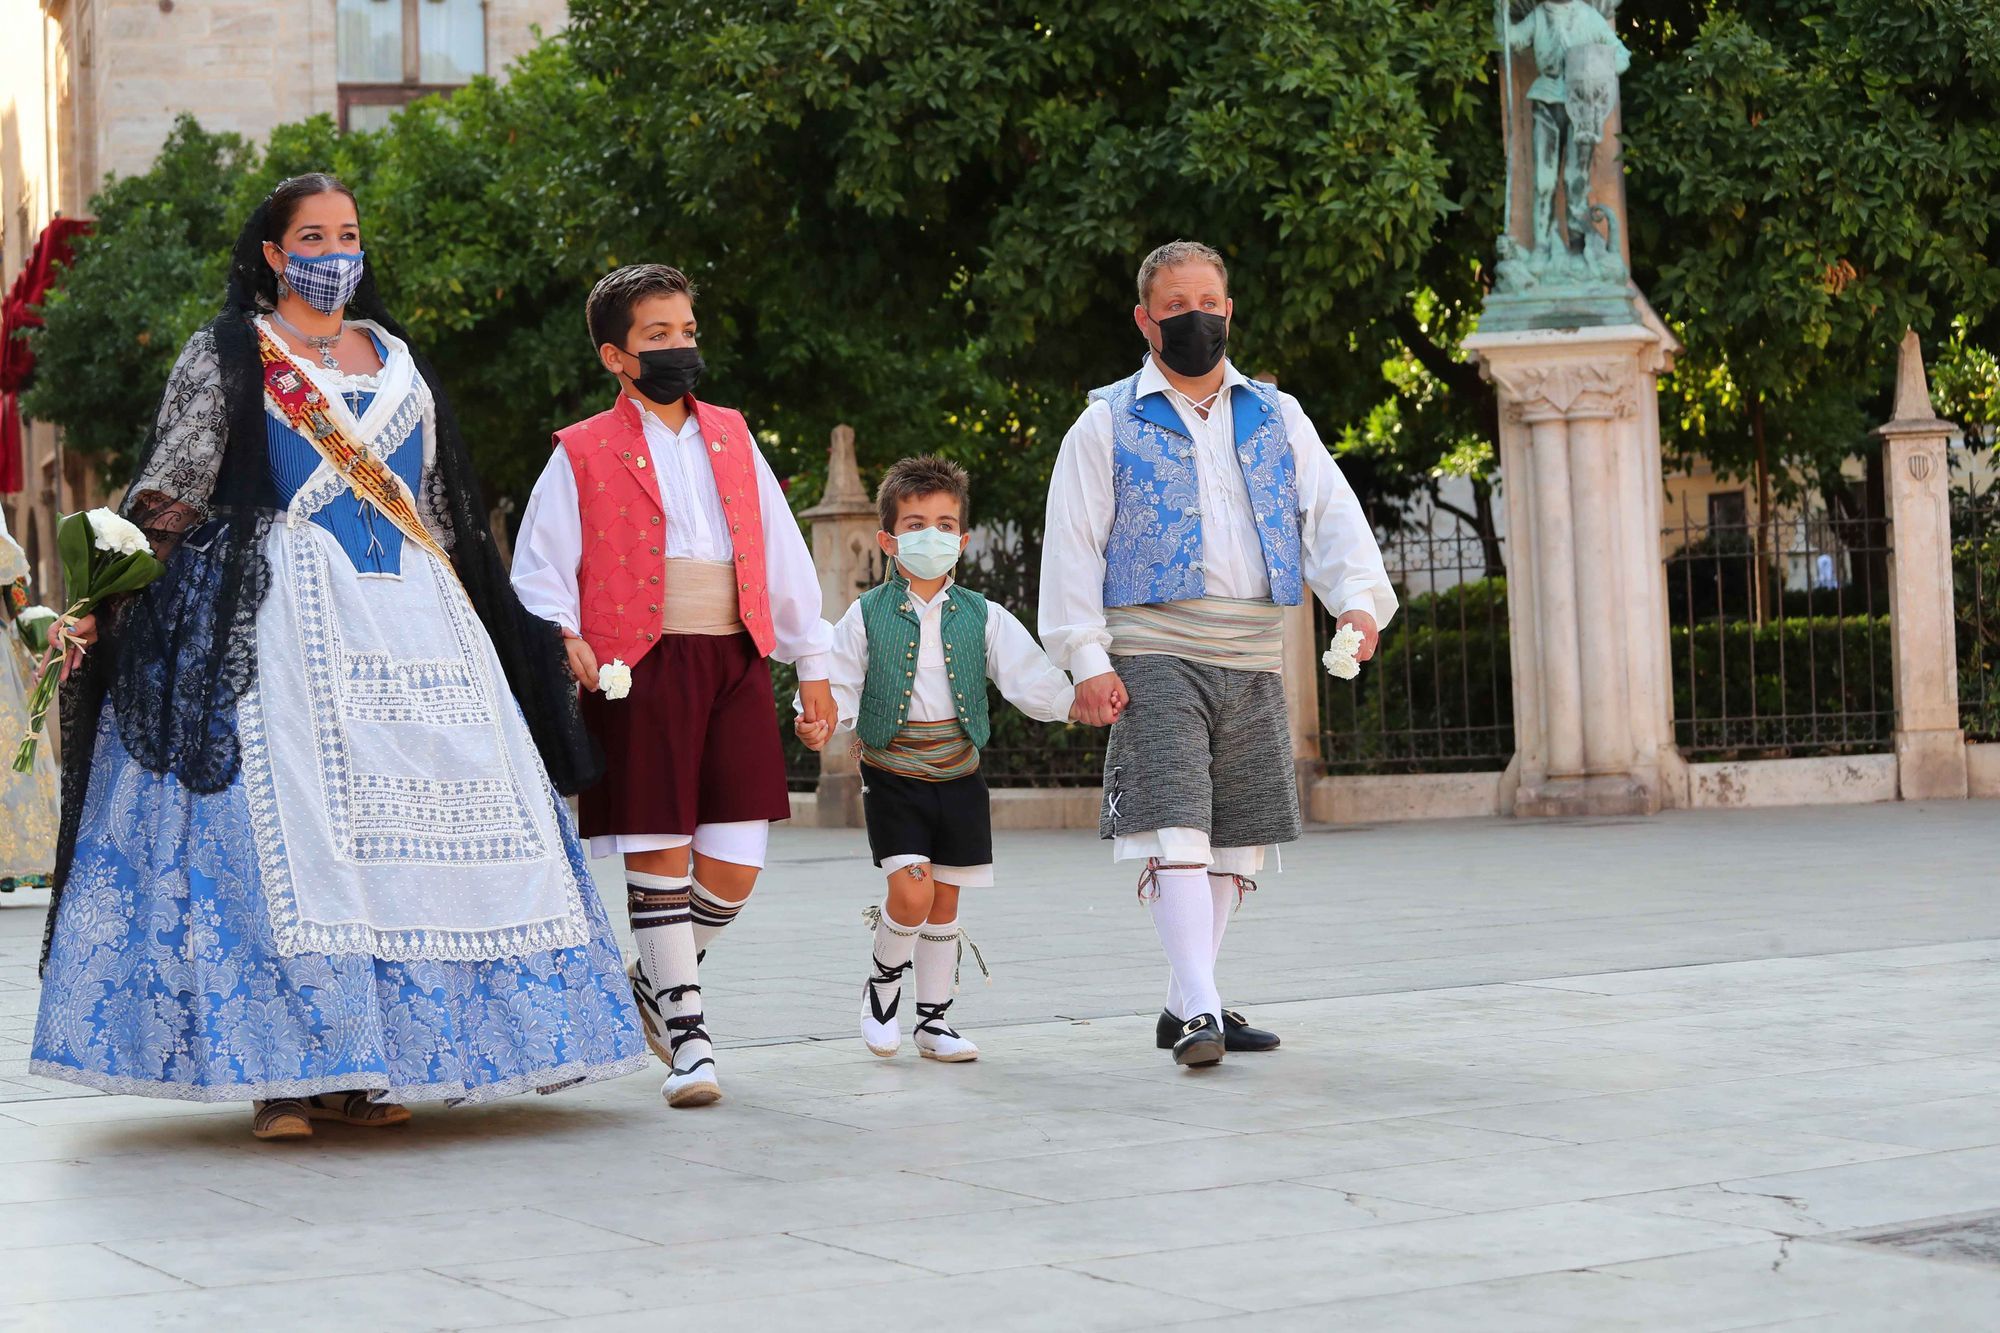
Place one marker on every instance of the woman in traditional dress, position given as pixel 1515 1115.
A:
pixel 313 854
pixel 27 800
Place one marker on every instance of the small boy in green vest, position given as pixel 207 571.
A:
pixel 909 668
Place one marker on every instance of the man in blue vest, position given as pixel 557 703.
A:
pixel 1188 507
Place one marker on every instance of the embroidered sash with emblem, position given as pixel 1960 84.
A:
pixel 304 408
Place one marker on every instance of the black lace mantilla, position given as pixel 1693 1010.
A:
pixel 176 709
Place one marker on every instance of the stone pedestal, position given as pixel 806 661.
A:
pixel 844 523
pixel 1930 747
pixel 1301 675
pixel 1586 590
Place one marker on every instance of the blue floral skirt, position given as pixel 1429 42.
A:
pixel 164 979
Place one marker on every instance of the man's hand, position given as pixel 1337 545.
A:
pixel 816 698
pixel 814 734
pixel 582 661
pixel 1100 699
pixel 1364 622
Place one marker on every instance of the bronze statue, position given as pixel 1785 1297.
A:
pixel 1578 59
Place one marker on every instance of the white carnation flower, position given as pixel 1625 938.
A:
pixel 614 679
pixel 1339 660
pixel 116 535
pixel 33 625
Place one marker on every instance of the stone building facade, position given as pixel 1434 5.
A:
pixel 90 88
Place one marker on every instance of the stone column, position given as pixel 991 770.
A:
pixel 844 524
pixel 1930 746
pixel 1586 590
pixel 1301 677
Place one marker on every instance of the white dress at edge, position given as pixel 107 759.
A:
pixel 27 800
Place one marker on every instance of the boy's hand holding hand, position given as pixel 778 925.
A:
pixel 582 661
pixel 816 702
pixel 814 734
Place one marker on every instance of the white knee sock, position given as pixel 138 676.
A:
pixel 711 914
pixel 894 944
pixel 1223 889
pixel 664 934
pixel 1184 915
pixel 937 960
pixel 1227 892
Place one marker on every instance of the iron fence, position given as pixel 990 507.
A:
pixel 1439 696
pixel 1975 568
pixel 1779 636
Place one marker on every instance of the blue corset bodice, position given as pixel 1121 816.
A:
pixel 371 541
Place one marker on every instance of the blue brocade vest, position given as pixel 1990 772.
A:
pixel 1154 554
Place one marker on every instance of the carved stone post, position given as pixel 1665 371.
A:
pixel 1302 672
pixel 843 543
pixel 1301 677
pixel 1586 591
pixel 1930 746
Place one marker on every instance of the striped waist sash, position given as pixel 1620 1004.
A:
pixel 1224 632
pixel 699 598
pixel 927 751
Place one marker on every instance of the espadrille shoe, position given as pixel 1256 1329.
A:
pixel 284 1118
pixel 936 1040
pixel 355 1108
pixel 881 996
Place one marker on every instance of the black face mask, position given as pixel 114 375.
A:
pixel 1192 343
pixel 669 374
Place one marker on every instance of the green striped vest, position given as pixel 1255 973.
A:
pixel 892 660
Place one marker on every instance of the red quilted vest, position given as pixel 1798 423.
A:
pixel 624 526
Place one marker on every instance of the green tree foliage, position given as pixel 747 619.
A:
pixel 483 214
pixel 1808 179
pixel 148 276
pixel 925 218
pixel 922 219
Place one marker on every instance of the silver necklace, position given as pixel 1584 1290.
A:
pixel 323 343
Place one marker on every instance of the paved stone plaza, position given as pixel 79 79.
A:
pixel 1706 1071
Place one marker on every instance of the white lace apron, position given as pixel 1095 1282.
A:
pixel 399 805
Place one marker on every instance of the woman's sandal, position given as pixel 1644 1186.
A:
pixel 355 1108
pixel 286 1118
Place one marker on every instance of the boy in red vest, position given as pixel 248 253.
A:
pixel 659 540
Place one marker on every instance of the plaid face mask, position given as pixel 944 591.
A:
pixel 326 282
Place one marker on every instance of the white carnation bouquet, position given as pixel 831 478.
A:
pixel 1339 660
pixel 102 556
pixel 614 679
pixel 33 627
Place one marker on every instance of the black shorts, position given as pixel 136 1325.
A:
pixel 948 823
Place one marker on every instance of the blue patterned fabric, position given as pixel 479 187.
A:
pixel 1154 553
pixel 165 981
pixel 372 542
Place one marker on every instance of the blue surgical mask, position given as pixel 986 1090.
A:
pixel 324 282
pixel 927 553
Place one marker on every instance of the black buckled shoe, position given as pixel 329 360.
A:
pixel 1200 1043
pixel 1237 1034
